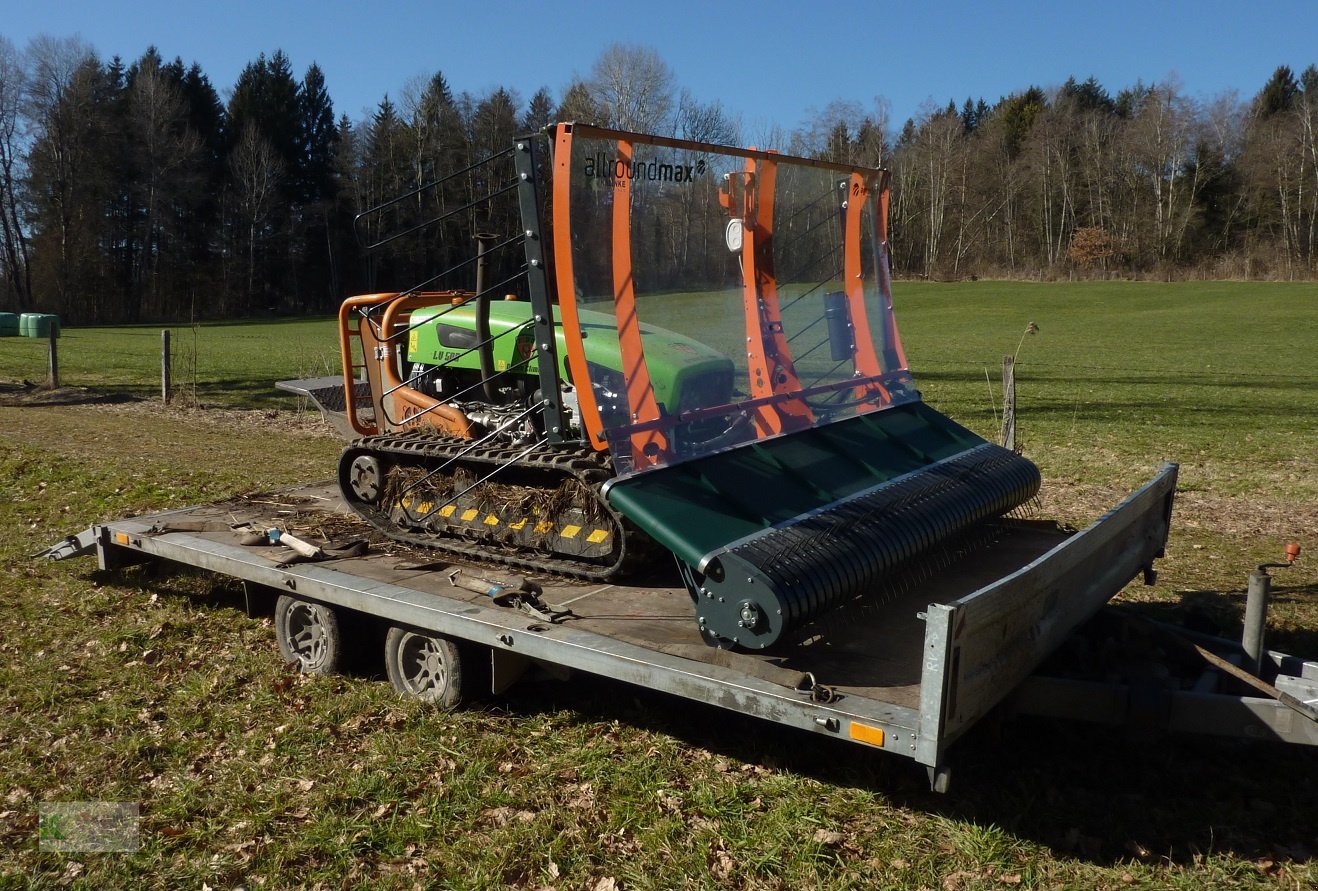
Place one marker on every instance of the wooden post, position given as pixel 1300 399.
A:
pixel 54 357
pixel 1009 402
pixel 164 366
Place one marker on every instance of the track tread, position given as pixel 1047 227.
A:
pixel 586 465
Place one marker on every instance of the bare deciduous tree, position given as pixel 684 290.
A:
pixel 633 87
pixel 13 237
pixel 256 172
pixel 706 121
pixel 59 102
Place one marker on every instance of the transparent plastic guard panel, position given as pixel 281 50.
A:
pixel 725 295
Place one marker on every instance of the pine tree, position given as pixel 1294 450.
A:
pixel 539 112
pixel 1018 112
pixel 1278 94
pixel 317 137
pixel 579 106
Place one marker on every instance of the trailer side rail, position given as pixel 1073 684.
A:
pixel 979 648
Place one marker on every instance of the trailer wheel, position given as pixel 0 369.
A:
pixel 425 666
pixel 308 634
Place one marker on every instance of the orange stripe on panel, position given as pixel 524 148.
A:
pixel 858 194
pixel 771 368
pixel 853 283
pixel 648 447
pixel 740 205
pixel 566 287
pixel 767 422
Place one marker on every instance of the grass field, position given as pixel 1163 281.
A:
pixel 156 689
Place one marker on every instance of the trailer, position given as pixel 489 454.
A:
pixel 695 463
pixel 907 674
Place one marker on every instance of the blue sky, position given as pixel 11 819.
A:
pixel 772 62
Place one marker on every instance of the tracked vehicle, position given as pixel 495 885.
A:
pixel 694 352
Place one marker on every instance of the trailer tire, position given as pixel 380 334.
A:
pixel 308 635
pixel 428 667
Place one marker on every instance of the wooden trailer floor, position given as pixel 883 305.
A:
pixel 870 648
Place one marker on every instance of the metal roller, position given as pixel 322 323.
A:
pixel 754 590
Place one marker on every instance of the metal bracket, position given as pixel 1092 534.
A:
pixel 80 545
pixel 537 283
pixel 817 692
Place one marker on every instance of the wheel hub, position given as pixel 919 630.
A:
pixel 365 477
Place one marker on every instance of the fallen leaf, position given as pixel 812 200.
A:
pixel 502 816
pixel 723 866
pixel 828 837
pixel 954 880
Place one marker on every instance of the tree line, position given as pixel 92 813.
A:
pixel 1144 183
pixel 133 192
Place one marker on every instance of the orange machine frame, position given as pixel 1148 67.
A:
pixel 390 394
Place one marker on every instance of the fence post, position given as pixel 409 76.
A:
pixel 164 366
pixel 1009 402
pixel 54 357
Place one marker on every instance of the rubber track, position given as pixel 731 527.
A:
pixel 418 449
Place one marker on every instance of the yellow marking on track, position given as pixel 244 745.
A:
pixel 491 520
pixel 544 526
pixel 519 525
pixel 570 531
pixel 405 501
pixel 446 510
pixel 597 536
pixel 469 514
pixel 425 507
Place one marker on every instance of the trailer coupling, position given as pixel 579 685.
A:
pixel 80 545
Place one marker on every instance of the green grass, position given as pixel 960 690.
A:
pixel 234 364
pixel 1123 375
pixel 155 688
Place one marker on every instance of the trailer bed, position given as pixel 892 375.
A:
pixel 907 670
pixel 653 613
